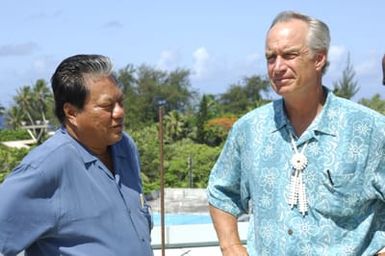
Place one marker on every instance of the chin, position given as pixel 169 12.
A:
pixel 115 138
pixel 283 90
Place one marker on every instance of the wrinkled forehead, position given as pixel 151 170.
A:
pixel 287 34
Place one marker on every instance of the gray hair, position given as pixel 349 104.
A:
pixel 318 39
pixel 69 80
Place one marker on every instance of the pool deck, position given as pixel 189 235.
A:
pixel 192 239
pixel 181 200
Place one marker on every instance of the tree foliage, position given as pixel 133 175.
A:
pixel 375 103
pixel 33 105
pixel 201 119
pixel 347 87
pixel 187 160
pixel 2 110
pixel 244 95
pixel 145 85
pixel 10 157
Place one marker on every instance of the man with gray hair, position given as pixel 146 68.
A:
pixel 79 193
pixel 310 165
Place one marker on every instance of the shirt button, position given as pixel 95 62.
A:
pixel 290 231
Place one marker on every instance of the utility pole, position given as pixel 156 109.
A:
pixel 190 173
pixel 161 104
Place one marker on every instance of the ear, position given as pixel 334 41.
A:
pixel 320 60
pixel 70 112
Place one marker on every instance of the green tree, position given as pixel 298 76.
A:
pixel 2 110
pixel 144 85
pixel 147 142
pixel 375 103
pixel 126 77
pixel 23 100
pixel 175 126
pixel 347 87
pixel 10 157
pixel 244 95
pixel 14 117
pixel 202 118
pixel 189 162
pixel 34 106
pixel 42 100
pixel 217 129
pixel 128 82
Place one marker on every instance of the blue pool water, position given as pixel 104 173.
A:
pixel 182 219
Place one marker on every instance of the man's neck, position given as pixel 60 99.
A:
pixel 302 111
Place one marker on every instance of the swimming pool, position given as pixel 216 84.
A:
pixel 181 219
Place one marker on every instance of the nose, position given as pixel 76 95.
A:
pixel 279 65
pixel 118 111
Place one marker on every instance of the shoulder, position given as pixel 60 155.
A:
pixel 356 111
pixel 52 150
pixel 357 118
pixel 49 158
pixel 258 116
pixel 42 166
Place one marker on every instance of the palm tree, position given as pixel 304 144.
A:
pixel 32 102
pixel 174 125
pixel 42 96
pixel 2 110
pixel 14 117
pixel 24 100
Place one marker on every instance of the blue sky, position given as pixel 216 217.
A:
pixel 220 42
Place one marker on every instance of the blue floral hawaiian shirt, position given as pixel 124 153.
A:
pixel 344 180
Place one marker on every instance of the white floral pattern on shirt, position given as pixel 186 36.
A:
pixel 344 180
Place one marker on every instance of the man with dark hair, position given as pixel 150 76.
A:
pixel 310 165
pixel 80 192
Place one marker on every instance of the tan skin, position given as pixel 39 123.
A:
pixel 295 74
pixel 100 123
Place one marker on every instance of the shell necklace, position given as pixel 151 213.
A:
pixel 297 195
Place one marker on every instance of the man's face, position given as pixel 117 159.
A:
pixel 100 123
pixel 291 66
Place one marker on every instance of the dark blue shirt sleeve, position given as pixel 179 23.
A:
pixel 26 210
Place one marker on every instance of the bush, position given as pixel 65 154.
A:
pixel 185 159
pixel 10 158
pixel 9 135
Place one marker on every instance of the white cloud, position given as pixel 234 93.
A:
pixel 336 53
pixel 201 63
pixel 337 58
pixel 168 60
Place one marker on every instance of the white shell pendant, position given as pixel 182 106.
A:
pixel 297 195
pixel 299 161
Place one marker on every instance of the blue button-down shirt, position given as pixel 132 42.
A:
pixel 344 180
pixel 61 200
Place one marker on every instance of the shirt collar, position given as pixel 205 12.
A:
pixel 84 154
pixel 322 124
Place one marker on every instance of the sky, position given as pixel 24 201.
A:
pixel 219 41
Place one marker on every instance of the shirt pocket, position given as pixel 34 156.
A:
pixel 141 216
pixel 339 194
